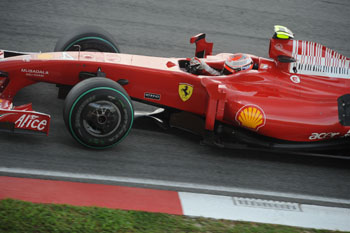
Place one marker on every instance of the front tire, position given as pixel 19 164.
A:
pixel 98 113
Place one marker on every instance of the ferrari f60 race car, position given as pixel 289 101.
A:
pixel 299 98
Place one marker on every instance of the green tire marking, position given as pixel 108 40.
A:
pixel 92 37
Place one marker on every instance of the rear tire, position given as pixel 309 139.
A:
pixel 98 113
pixel 89 38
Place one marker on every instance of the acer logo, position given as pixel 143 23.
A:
pixel 321 136
pixel 31 121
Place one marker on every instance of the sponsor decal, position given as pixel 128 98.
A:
pixel 315 59
pixel 329 135
pixel 295 79
pixel 29 121
pixel 279 47
pixel 34 72
pixel 26 58
pixel 66 56
pixel 45 56
pixel 251 116
pixel 264 66
pixel 152 96
pixel 185 91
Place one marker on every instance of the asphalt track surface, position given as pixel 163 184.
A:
pixel 163 28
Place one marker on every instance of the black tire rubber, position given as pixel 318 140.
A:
pixel 89 38
pixel 98 113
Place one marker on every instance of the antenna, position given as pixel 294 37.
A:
pixel 79 48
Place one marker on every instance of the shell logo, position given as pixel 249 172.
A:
pixel 251 116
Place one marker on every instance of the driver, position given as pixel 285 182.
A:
pixel 233 64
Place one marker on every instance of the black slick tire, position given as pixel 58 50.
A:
pixel 98 113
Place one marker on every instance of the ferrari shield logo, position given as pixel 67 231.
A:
pixel 185 91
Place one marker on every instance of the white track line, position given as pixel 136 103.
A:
pixel 223 207
pixel 183 186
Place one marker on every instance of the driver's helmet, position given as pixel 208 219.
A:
pixel 237 62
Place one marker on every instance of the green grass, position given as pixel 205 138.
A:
pixel 19 216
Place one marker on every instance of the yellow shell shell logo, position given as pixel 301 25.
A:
pixel 251 116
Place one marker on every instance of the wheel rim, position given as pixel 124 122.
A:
pixel 101 118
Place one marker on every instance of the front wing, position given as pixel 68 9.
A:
pixel 22 119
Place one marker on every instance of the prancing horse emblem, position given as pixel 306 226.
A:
pixel 185 91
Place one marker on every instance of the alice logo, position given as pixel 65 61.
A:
pixel 251 116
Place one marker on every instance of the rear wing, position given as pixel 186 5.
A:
pixel 304 57
pixel 203 48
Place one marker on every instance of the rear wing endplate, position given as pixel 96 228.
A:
pixel 282 32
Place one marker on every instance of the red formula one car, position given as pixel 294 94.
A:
pixel 299 98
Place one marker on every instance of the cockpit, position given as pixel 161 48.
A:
pixel 204 63
pixel 220 64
